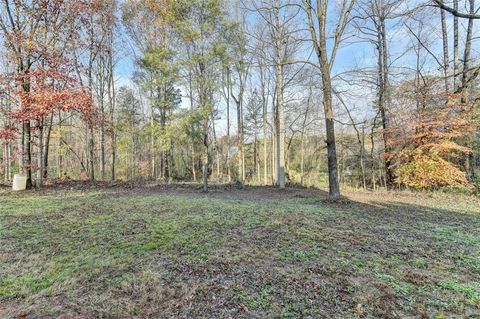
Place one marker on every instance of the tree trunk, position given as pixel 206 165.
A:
pixel 46 152
pixel 227 97
pixel 446 58
pixel 39 179
pixel 111 100
pixel 91 158
pixel 456 60
pixel 241 168
pixel 113 138
pixel 194 173
pixel 467 51
pixel 26 134
pixel 469 160
pixel 205 156
pixel 217 150
pixel 320 45
pixel 280 103
pixel 281 129
pixel 362 155
pixel 302 158
pixel 102 144
pixel 190 87
pixel 383 92
pixel 240 132
pixel 59 148
pixel 257 156
pixel 265 144
pixel 274 146
pixel 152 146
pixel 334 187
pixel 7 162
pixel 27 158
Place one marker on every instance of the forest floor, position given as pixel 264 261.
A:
pixel 126 251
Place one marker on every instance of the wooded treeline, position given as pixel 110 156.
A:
pixel 378 93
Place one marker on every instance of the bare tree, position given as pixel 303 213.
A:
pixel 455 12
pixel 317 23
pixel 279 17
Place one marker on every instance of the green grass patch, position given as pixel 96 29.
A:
pixel 151 254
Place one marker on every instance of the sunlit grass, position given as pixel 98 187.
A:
pixel 149 254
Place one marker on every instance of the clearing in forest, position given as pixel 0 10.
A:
pixel 155 252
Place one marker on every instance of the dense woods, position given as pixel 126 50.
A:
pixel 367 94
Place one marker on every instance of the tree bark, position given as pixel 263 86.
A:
pixel 320 45
pixel 27 157
pixel 102 143
pixel 46 152
pixel 383 95
pixel 265 129
pixel 240 131
pixel 334 187
pixel 205 157
pixel 111 100
pixel 446 58
pixel 227 98
pixel 280 102
pixel 469 160
pixel 39 179
pixel 456 60
pixel 91 158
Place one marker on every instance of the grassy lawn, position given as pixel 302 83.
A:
pixel 253 253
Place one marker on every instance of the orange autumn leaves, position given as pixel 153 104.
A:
pixel 50 90
pixel 430 143
pixel 38 104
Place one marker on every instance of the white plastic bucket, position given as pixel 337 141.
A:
pixel 19 182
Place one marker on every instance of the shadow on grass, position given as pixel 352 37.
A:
pixel 125 251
